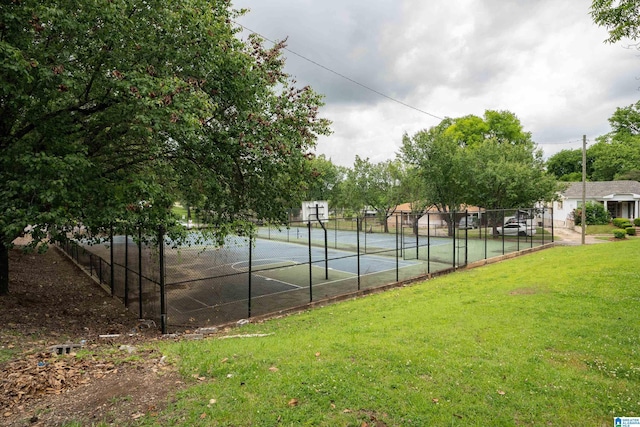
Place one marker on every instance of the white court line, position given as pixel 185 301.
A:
pixel 291 290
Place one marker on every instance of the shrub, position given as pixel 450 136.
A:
pixel 595 214
pixel 631 231
pixel 636 222
pixel 619 234
pixel 621 222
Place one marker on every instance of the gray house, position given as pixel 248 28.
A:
pixel 620 198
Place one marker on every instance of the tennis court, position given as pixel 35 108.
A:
pixel 201 284
pixel 207 285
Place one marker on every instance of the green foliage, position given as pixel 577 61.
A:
pixel 614 156
pixel 595 214
pixel 111 111
pixel 619 234
pixel 322 181
pixel 375 186
pixel 566 165
pixel 439 161
pixel 489 162
pixel 631 231
pixel 621 222
pixel 636 222
pixel 620 17
pixel 572 177
pixel 630 175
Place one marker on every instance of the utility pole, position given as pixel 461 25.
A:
pixel 584 188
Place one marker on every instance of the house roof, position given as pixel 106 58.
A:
pixel 601 189
pixel 406 207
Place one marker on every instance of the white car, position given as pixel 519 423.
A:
pixel 468 222
pixel 516 229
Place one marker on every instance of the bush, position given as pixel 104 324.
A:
pixel 595 214
pixel 631 231
pixel 621 222
pixel 636 222
pixel 619 234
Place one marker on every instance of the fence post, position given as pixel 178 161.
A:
pixel 335 232
pixel 525 227
pixel 140 272
pixel 163 300
pixel 532 225
pixel 112 267
pixel 543 210
pixel 466 238
pixel 502 226
pixel 486 233
pixel 397 254
pixel 452 227
pixel 310 264
pixel 552 230
pixel 126 269
pixel 416 228
pixel 358 248
pixel 428 243
pixel 250 274
pixel 364 226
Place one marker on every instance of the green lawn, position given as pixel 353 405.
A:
pixel 551 338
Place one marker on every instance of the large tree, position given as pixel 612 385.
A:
pixel 507 167
pixel 113 109
pixel 412 191
pixel 378 186
pixel 487 161
pixel 566 165
pixel 438 156
pixel 322 181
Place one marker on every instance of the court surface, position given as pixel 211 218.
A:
pixel 199 278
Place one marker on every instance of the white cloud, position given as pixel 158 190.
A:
pixel 545 61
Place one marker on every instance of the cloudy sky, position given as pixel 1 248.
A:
pixel 543 60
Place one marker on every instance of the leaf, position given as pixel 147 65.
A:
pixel 293 402
pixel 501 392
pixel 435 400
pixel 274 369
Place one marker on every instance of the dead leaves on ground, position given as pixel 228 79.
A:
pixel 42 374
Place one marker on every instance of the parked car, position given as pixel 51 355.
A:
pixel 513 228
pixel 468 222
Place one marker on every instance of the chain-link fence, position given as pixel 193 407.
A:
pixel 280 268
pixel 126 267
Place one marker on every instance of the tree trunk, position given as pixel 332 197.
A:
pixel 4 268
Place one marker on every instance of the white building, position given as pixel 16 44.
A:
pixel 620 198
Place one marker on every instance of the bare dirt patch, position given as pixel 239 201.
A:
pixel 111 380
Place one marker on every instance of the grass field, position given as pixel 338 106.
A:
pixel 551 338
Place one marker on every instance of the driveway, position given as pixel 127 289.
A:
pixel 567 236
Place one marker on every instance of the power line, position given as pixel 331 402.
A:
pixel 562 143
pixel 343 76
